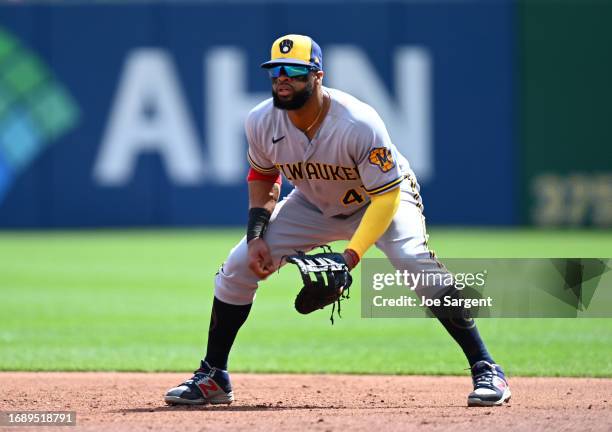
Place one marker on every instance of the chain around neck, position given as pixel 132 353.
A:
pixel 318 115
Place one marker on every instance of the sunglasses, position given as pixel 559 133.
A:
pixel 290 71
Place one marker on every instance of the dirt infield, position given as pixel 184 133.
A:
pixel 134 401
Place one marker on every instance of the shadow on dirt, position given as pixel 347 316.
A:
pixel 263 407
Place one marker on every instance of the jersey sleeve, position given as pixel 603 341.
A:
pixel 376 157
pixel 256 153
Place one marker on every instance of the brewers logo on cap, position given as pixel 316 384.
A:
pixel 295 50
pixel 286 45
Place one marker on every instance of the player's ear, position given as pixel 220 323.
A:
pixel 319 75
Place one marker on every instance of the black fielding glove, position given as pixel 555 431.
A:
pixel 331 282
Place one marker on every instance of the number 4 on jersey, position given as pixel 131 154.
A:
pixel 352 196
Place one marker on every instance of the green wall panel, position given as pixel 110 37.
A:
pixel 566 112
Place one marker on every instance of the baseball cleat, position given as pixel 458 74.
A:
pixel 208 385
pixel 490 385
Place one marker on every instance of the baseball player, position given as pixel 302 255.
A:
pixel 350 183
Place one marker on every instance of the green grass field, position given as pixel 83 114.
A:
pixel 140 301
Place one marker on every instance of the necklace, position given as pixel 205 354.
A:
pixel 318 115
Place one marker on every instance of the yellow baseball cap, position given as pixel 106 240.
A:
pixel 296 50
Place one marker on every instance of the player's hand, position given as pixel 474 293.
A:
pixel 260 259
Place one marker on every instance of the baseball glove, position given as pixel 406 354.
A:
pixel 330 281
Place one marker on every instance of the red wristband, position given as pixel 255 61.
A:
pixel 352 258
pixel 256 175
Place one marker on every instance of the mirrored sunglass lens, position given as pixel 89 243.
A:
pixel 274 72
pixel 290 71
pixel 293 71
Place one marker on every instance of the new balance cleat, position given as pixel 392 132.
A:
pixel 208 385
pixel 490 385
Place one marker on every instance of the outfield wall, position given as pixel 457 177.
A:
pixel 131 115
pixel 565 113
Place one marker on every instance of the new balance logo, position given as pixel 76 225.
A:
pixel 207 386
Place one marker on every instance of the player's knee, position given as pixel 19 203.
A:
pixel 232 289
pixel 234 282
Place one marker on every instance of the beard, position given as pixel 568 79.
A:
pixel 297 101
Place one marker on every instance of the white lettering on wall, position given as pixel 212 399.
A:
pixel 149 114
pixel 227 106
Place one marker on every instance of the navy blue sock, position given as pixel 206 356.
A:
pixel 225 321
pixel 461 326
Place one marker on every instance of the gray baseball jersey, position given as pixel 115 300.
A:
pixel 350 158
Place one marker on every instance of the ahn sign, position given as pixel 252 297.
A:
pixel 144 123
